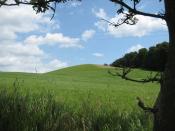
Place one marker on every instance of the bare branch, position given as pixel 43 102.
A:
pixel 110 23
pixel 40 6
pixel 53 9
pixel 135 11
pixel 127 19
pixel 141 104
pixel 125 71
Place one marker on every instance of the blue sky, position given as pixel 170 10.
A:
pixel 75 36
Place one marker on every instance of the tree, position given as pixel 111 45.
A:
pixel 130 59
pixel 141 58
pixel 152 59
pixel 165 116
pixel 161 55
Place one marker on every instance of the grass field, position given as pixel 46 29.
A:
pixel 74 84
pixel 87 86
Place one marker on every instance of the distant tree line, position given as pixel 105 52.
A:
pixel 153 58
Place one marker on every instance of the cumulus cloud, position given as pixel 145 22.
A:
pixel 19 49
pixel 17 55
pixel 25 58
pixel 52 65
pixel 17 64
pixel 100 13
pixel 101 25
pixel 75 3
pixel 145 25
pixel 52 39
pixel 98 54
pixel 88 34
pixel 134 48
pixel 20 19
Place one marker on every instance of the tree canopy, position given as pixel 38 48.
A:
pixel 154 58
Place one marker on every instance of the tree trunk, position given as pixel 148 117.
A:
pixel 165 117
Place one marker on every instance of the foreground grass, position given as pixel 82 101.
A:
pixel 40 112
pixel 80 98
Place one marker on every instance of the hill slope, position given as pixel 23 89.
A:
pixel 92 83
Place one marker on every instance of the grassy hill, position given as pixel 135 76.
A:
pixel 86 98
pixel 92 83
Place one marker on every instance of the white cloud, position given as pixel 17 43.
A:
pixel 22 57
pixel 75 3
pixel 70 4
pixel 100 13
pixel 101 25
pixel 19 49
pixel 88 34
pixel 54 64
pixel 54 38
pixel 134 48
pixel 20 19
pixel 17 64
pixel 145 25
pixel 15 54
pixel 98 54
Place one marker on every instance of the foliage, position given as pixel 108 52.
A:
pixel 39 6
pixel 153 59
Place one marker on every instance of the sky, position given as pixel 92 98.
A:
pixel 31 42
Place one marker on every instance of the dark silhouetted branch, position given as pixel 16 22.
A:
pixel 146 108
pixel 40 6
pixel 128 18
pixel 135 11
pixel 125 71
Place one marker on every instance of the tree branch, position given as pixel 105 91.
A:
pixel 133 10
pixel 141 104
pixel 126 71
pixel 128 19
pixel 40 6
pixel 15 4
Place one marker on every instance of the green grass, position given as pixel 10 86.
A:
pixel 31 112
pixel 76 84
pixel 86 97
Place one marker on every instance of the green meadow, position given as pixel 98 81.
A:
pixel 94 99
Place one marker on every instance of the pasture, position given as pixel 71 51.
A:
pixel 89 93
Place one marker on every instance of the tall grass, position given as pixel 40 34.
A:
pixel 40 112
